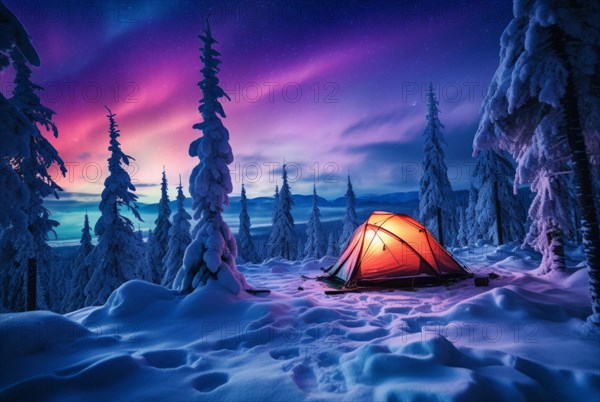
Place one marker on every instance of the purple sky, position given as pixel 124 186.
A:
pixel 333 86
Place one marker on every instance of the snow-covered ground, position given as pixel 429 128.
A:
pixel 523 337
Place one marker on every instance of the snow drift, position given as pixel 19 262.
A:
pixel 523 337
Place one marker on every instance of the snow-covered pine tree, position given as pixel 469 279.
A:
pixel 315 237
pixel 300 253
pixel 275 217
pixel 179 239
pixel 262 249
pixel 12 290
pixel 33 252
pixel 550 221
pixel 83 271
pixel 117 256
pixel 246 248
pixel 15 130
pixel 463 228
pixel 283 237
pixel 545 79
pixel 331 246
pixel 156 249
pixel 436 199
pixel 498 210
pixel 143 272
pixel 549 212
pixel 350 222
pixel 211 255
pixel 473 231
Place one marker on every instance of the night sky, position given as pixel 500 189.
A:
pixel 334 85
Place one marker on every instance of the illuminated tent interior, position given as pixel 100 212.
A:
pixel 394 250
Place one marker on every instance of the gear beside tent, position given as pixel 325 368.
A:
pixel 394 250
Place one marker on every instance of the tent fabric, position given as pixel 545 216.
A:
pixel 390 248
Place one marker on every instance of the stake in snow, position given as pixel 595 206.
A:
pixel 116 257
pixel 543 108
pixel 210 257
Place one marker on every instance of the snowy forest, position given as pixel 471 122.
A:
pixel 192 309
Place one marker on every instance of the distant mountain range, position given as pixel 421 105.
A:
pixel 69 212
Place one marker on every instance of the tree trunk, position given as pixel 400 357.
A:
pixel 499 234
pixel 439 225
pixel 31 284
pixel 584 189
pixel 557 248
pixel 577 223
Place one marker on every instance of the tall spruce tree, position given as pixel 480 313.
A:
pixel 246 247
pixel 210 257
pixel 283 237
pixel 350 222
pixel 315 237
pixel 436 199
pixel 34 255
pixel 156 249
pixel 179 239
pixel 543 87
pixel 16 131
pixel 116 257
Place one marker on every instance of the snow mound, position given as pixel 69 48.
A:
pixel 36 332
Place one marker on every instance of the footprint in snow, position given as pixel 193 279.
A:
pixel 210 381
pixel 285 353
pixel 165 359
pixel 304 377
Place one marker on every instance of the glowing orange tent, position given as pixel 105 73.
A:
pixel 394 250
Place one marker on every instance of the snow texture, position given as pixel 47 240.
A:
pixel 453 343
